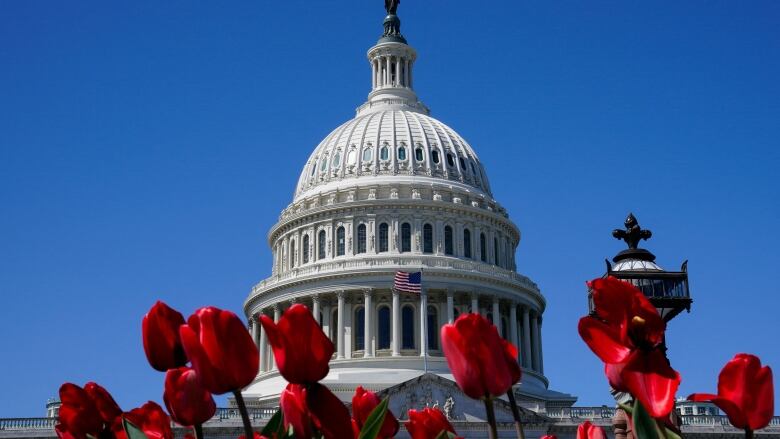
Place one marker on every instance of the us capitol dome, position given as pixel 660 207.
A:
pixel 394 189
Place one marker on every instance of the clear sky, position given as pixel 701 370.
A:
pixel 147 147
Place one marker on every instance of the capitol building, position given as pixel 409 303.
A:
pixel 394 189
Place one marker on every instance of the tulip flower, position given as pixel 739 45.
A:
pixel 222 352
pixel 186 399
pixel 549 436
pixel 745 393
pixel 586 430
pixel 149 418
pixel 108 408
pixel 162 344
pixel 301 350
pixel 478 357
pixel 363 403
pixel 627 333
pixel 314 407
pixel 427 423
pixel 79 415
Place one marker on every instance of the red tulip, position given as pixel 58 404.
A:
pixel 586 430
pixel 104 402
pixel 510 355
pixel 221 350
pixel 186 399
pixel 355 429
pixel 477 357
pixel 745 392
pixel 427 423
pixel 149 418
pixel 314 406
pixel 79 415
pixel 363 403
pixel 256 436
pixel 302 351
pixel 549 436
pixel 160 329
pixel 627 333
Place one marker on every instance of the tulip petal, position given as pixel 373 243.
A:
pixel 650 379
pixel 603 340
pixel 762 408
pixel 613 371
pixel 295 410
pixel 329 414
pixel 108 408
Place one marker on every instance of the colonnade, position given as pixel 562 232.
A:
pixel 337 318
pixel 391 71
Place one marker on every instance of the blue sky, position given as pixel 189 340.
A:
pixel 147 147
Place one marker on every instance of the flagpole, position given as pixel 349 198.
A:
pixel 424 307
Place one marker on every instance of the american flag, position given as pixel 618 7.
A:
pixel 408 282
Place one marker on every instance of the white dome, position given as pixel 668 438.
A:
pixel 402 143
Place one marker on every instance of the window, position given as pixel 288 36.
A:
pixel 367 154
pixel 337 159
pixel 313 168
pixel 427 238
pixel 383 328
pixel 448 240
pixel 462 164
pixel 701 410
pixel 292 254
pixel 467 243
pixel 360 325
pixel 418 154
pixel 340 245
pixel 324 165
pixel 433 328
pixel 473 170
pixel 361 239
pixel 496 259
pixel 305 249
pixel 383 232
pixel 384 154
pixel 321 245
pixel 688 410
pixel 407 324
pixel 450 160
pixel 406 237
pixel 334 325
pixel 455 313
pixel 352 157
pixel 402 153
pixel 504 328
pixel 435 156
pixel 482 247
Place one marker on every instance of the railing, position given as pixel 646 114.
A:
pixel 385 261
pixel 27 423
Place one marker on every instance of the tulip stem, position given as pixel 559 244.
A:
pixel 492 432
pixel 748 433
pixel 244 414
pixel 516 413
pixel 198 431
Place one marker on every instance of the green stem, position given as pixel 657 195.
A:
pixel 492 432
pixel 198 431
pixel 748 433
pixel 249 434
pixel 516 413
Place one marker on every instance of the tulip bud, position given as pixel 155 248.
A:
pixel 186 399
pixel 162 344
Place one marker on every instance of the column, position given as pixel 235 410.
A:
pixel 277 315
pixel 423 323
pixel 541 352
pixel 263 350
pixel 373 74
pixel 474 303
pixel 387 70
pixel 315 309
pixel 340 327
pixel 396 324
pixel 406 73
pixel 326 323
pixel 513 326
pixel 535 343
pixel 368 342
pixel 497 315
pixel 398 81
pixel 450 307
pixel 526 338
pixel 253 324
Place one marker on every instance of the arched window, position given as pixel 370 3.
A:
pixel 435 156
pixel 367 154
pixel 418 154
pixel 467 243
pixel 495 252
pixel 383 327
pixel 490 316
pixel 340 244
pixel 482 247
pixel 406 237
pixel 313 169
pixel 337 159
pixel 433 328
pixel 450 160
pixel 504 328
pixel 402 153
pixel 456 313
pixel 407 324
pixel 473 170
pixel 321 245
pixel 360 325
pixel 334 326
pixel 383 237
pixel 324 165
pixel 292 254
pixel 361 239
pixel 352 157
pixel 305 249
pixel 448 240
pixel 462 164
pixel 427 238
pixel 384 154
